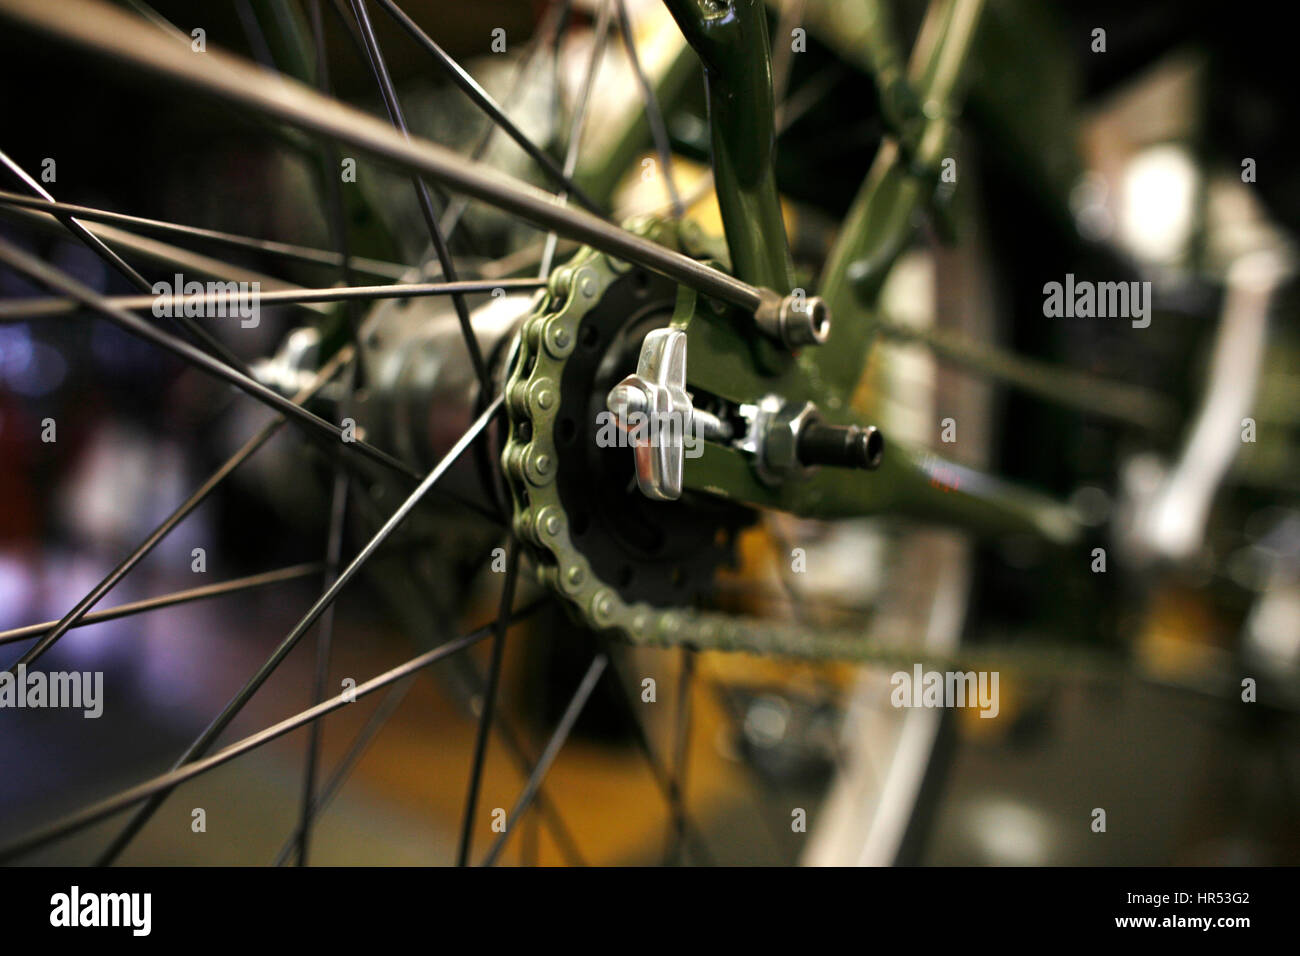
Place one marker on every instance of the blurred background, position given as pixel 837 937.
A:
pixel 1126 164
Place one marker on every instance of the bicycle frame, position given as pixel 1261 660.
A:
pixel 726 357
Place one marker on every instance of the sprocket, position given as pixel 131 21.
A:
pixel 581 339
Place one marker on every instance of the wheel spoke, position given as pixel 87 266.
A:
pixel 22 310
pixel 388 706
pixel 335 206
pixel 389 93
pixel 286 250
pixel 324 642
pixel 579 119
pixel 157 19
pixel 205 740
pixel 59 282
pixel 488 702
pixel 155 250
pixel 681 752
pixel 339 497
pixel 510 737
pixel 667 785
pixel 321 800
pixel 484 101
pixel 97 246
pixel 165 783
pixel 171 521
pixel 77 229
pixel 654 117
pixel 552 27
pixel 145 605
pixel 549 753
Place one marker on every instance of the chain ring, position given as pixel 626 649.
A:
pixel 656 552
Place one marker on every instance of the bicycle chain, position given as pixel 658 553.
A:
pixel 546 340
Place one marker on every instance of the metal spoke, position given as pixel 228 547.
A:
pixel 812 92
pixel 667 785
pixel 422 194
pixel 363 52
pixel 131 608
pixel 558 37
pixel 681 751
pixel 59 282
pixel 552 25
pixel 305 254
pixel 339 495
pixel 335 206
pixel 353 31
pixel 257 44
pixel 487 703
pixel 510 737
pixel 155 250
pixel 654 117
pixel 157 19
pixel 387 707
pixel 579 119
pixel 525 763
pixel 321 800
pixel 175 518
pixel 165 783
pixel 22 310
pixel 77 229
pixel 96 245
pixel 324 641
pixel 485 102
pixel 112 34
pixel 549 753
pixel 205 740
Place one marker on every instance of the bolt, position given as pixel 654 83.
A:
pixel 845 446
pixel 625 399
pixel 712 427
pixel 794 320
pixel 806 322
